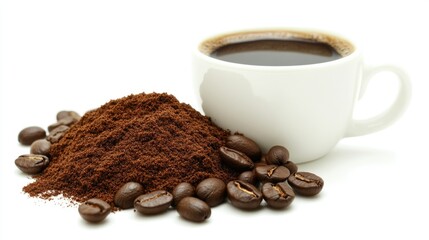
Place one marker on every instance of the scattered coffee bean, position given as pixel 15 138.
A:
pixel 193 209
pixel 248 176
pixel 41 147
pixel 64 114
pixel 277 195
pixel 239 152
pixel 245 145
pixel 272 173
pixel 56 134
pixel 94 210
pixel 243 195
pixel 293 168
pixel 124 197
pixel 181 191
pixel 277 155
pixel 30 134
pixel 212 191
pixel 235 159
pixel 32 163
pixel 305 183
pixel 154 202
pixel 66 121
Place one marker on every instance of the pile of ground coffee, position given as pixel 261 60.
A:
pixel 152 139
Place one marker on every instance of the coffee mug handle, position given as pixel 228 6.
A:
pixel 391 114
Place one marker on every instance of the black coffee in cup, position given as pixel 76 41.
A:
pixel 271 52
pixel 281 48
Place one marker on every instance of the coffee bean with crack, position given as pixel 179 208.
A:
pixel 32 163
pixel 56 134
pixel 306 183
pixel 235 159
pixel 67 121
pixel 272 173
pixel 154 202
pixel 243 195
pixel 94 210
pixel 277 195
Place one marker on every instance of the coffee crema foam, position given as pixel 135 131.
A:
pixel 343 47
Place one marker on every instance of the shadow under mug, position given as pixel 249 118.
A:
pixel 305 108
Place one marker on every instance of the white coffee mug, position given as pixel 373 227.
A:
pixel 306 108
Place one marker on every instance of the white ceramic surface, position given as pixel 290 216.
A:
pixel 306 108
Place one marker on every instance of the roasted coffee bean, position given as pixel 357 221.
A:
pixel 193 209
pixel 277 195
pixel 66 121
pixel 124 197
pixel 41 147
pixel 277 155
pixel 305 183
pixel 212 191
pixel 245 145
pixel 94 210
pixel 64 114
pixel 181 191
pixel 248 176
pixel 293 168
pixel 30 134
pixel 154 202
pixel 56 134
pixel 235 159
pixel 32 163
pixel 243 195
pixel 272 173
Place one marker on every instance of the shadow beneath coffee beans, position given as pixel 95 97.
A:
pixel 282 211
pixel 191 223
pixel 241 211
pixel 94 225
pixel 159 216
pixel 346 158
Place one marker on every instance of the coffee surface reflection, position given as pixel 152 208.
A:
pixel 273 52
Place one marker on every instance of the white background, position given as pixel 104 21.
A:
pixel 77 55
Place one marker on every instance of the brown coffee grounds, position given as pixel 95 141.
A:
pixel 152 139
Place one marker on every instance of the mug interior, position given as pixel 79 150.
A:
pixel 342 46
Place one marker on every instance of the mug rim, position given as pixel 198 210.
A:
pixel 198 52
